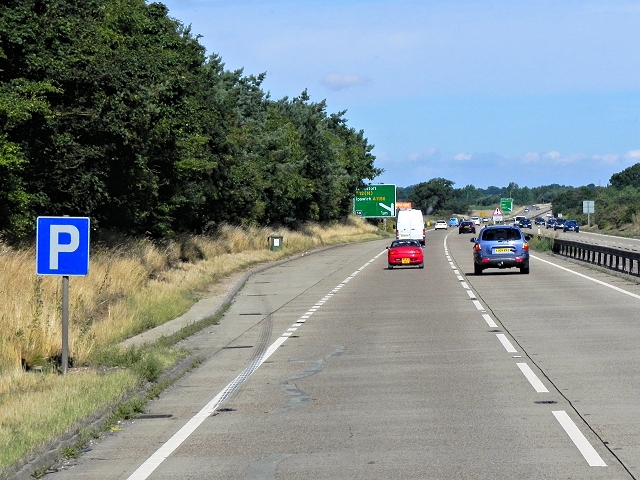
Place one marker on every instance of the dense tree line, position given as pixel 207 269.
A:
pixel 111 109
pixel 616 205
pixel 438 196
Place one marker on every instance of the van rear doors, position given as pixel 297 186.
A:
pixel 410 224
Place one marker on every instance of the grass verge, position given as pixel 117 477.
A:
pixel 132 287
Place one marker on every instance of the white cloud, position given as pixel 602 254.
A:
pixel 465 157
pixel 424 154
pixel 338 81
pixel 633 155
pixel 555 157
pixel 609 158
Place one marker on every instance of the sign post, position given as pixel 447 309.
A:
pixel 375 201
pixel 588 207
pixel 62 248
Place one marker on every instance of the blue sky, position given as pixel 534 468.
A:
pixel 480 92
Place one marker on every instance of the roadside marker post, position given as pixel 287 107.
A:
pixel 62 248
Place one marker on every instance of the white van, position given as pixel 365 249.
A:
pixel 410 224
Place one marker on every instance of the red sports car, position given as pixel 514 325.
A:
pixel 405 253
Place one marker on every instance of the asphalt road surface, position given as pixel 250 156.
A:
pixel 331 366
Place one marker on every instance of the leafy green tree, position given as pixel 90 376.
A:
pixel 19 101
pixel 109 109
pixel 629 177
pixel 433 196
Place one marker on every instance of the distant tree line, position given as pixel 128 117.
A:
pixel 616 205
pixel 438 197
pixel 110 109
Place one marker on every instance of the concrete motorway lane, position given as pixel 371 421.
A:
pixel 338 368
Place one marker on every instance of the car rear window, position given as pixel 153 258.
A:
pixel 501 234
pixel 405 243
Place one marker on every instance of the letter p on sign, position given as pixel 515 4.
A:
pixel 62 246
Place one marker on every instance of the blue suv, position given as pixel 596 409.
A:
pixel 501 246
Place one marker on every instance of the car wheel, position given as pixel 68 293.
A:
pixel 390 267
pixel 477 269
pixel 524 270
pixel 421 265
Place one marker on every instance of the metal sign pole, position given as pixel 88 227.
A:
pixel 65 324
pixel 62 248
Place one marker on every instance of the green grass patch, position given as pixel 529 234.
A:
pixel 53 406
pixel 146 361
pixel 541 243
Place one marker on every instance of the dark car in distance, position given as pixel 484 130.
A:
pixel 559 225
pixel 551 222
pixel 571 226
pixel 501 246
pixel 524 223
pixel 539 221
pixel 467 226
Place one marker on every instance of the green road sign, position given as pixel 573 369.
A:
pixel 506 205
pixel 375 201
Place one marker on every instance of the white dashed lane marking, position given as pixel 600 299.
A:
pixel 576 436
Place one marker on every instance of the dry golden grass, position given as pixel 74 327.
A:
pixel 130 288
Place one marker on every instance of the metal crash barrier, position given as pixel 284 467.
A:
pixel 623 261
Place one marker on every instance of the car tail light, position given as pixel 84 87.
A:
pixel 393 252
pixel 477 247
pixel 525 246
pixel 417 251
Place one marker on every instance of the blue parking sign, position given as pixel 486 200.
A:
pixel 62 246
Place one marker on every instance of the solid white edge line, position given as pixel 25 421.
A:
pixel 161 454
pixel 506 343
pixel 600 282
pixel 532 377
pixel 178 438
pixel 580 441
